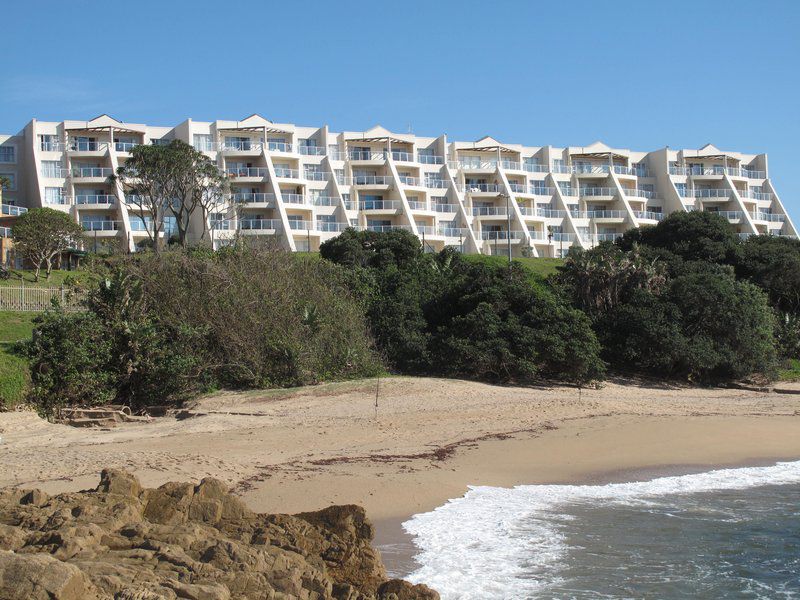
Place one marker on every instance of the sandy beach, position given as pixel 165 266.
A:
pixel 291 451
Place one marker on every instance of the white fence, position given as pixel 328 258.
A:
pixel 38 299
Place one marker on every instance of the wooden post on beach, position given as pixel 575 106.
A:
pixel 377 391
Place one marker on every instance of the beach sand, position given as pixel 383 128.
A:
pixel 298 450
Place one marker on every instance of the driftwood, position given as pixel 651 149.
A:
pixel 99 416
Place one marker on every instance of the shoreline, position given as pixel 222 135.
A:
pixel 398 549
pixel 290 451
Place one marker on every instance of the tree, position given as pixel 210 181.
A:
pixel 42 234
pixel 171 180
pixel 372 249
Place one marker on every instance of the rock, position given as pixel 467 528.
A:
pixel 42 577
pixel 186 541
pixel 397 589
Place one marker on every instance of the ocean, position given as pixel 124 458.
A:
pixel 729 533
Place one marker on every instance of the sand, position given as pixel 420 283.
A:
pixel 291 451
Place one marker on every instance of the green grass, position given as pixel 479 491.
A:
pixel 25 277
pixel 538 267
pixel 14 374
pixel 791 372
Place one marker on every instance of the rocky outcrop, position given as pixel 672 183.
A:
pixel 198 542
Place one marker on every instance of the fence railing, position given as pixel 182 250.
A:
pixel 37 299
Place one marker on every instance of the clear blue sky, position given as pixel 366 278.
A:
pixel 641 75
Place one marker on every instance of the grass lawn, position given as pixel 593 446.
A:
pixel 791 372
pixel 539 267
pixel 24 277
pixel 14 375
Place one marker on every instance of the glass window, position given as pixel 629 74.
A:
pixel 48 142
pixel 53 195
pixel 12 181
pixel 162 141
pixel 51 168
pixel 202 142
pixel 8 154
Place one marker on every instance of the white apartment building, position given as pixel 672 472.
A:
pixel 304 185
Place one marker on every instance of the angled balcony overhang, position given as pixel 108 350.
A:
pixel 598 150
pixel 611 155
pixel 377 135
pixel 104 123
pixel 486 144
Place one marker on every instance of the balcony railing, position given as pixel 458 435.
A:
pixel 591 169
pixel 367 154
pixel 205 146
pixel 253 197
pixel 401 156
pixel 541 191
pixel 11 210
pixel 298 225
pixel 385 228
pixel 430 159
pixel 242 146
pixel 92 172
pixel 752 174
pixel 324 201
pixel 638 193
pixel 679 170
pixel 138 225
pixel 477 163
pixel 636 171
pixel 328 226
pixel 731 215
pixel 568 191
pixel 313 175
pixel 410 181
pixel 279 147
pixel 380 205
pixel 293 198
pixel 51 146
pixel 96 199
pixel 487 211
pixel 715 170
pixel 646 214
pixel 260 224
pixel 125 146
pixel 598 191
pixel 453 232
pixel 437 184
pixel 606 214
pixel 427 230
pixel 511 165
pixel 550 213
pixel 287 173
pixel 761 216
pixel 336 154
pixel 490 188
pixel 311 150
pixel 534 167
pixel 371 180
pixel 601 237
pixel 58 172
pixel 246 171
pixel 502 235
pixel 564 237
pixel 87 146
pixel 100 225
pixel 712 193
pixel 756 195
pixel 445 208
pixel 416 205
pixel 562 168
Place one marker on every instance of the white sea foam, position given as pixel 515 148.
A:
pixel 507 543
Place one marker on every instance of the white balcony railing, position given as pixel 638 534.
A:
pixel 453 232
pixel 367 154
pixel 486 188
pixel 279 147
pixel 591 169
pixel 325 201
pixel 445 208
pixel 639 193
pixel 11 210
pixel 380 205
pixel 417 205
pixel 371 180
pixel 311 150
pixel 385 228
pixel 314 175
pixel 437 184
pixel 298 225
pixel 430 159
pixel 242 146
pixel 606 214
pixel 100 225
pixel 289 198
pixel 329 227
pixel 402 156
pixel 650 215
pixel 761 216
pixel 92 172
pixel 488 211
pixel 51 146
pixel 95 146
pixel 711 193
pixel 95 199
pixel 409 181
pixel 252 172
pixel 253 197
pixel 260 224
pixel 287 173
pixel 597 191
pixel 502 235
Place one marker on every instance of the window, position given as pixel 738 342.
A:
pixel 51 168
pixel 326 218
pixel 308 142
pixel 160 141
pixel 54 195
pixel 48 143
pixel 237 143
pixel 12 181
pixel 641 169
pixel 681 187
pixel 8 154
pixel 202 142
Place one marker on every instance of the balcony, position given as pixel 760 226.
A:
pixel 489 211
pixel 445 208
pixel 679 170
pixel 96 199
pixel 242 146
pixel 222 224
pixel 430 159
pixel 125 146
pixel 511 165
pixel 380 205
pixel 731 215
pixel 287 173
pixel 715 171
pixel 635 171
pixel 482 188
pixel 648 215
pixel 260 224
pixel 368 155
pixel 564 237
pixel 426 230
pixel 606 214
pixel 596 192
pixel 437 184
pixel 205 146
pixel 279 147
pixel 311 150
pixel 756 195
pixel 137 224
pixel 100 225
pixel 548 213
pixel 298 225
pixel 502 235
pixel 712 193
pixel 601 237
pixel 598 170
pixel 416 205
pixel 325 201
pixel 637 193
pixel 534 167
pixel 76 146
pixel 370 180
pixel 92 172
pixel 401 156
pixel 453 232
pixel 385 228
pixel 564 169
pixel 5 232
pixel 331 227
pixel 11 210
pixel 541 191
pixel 568 191
pixel 57 173
pixel 313 175
pixel 253 197
pixel 247 172
pixel 476 163
pixel 293 198
pixel 760 216
pixel 409 181
pixel 51 146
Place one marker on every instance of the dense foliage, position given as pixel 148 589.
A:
pixel 163 328
pixel 665 300
pixel 444 315
pixel 42 234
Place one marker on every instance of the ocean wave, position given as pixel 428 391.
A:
pixel 507 543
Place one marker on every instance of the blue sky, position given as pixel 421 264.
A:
pixel 640 75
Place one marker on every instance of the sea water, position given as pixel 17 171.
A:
pixel 731 533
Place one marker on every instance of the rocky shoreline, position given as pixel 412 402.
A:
pixel 124 542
